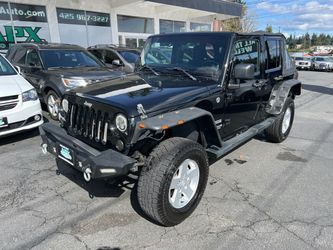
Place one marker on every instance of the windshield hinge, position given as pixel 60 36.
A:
pixel 141 111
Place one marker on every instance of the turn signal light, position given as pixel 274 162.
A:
pixel 165 127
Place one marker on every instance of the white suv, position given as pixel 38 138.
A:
pixel 19 104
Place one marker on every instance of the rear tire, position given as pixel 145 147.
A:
pixel 280 129
pixel 173 181
pixel 52 104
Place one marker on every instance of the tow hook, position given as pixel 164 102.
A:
pixel 87 174
pixel 44 148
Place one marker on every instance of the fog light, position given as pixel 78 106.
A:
pixel 108 171
pixel 37 117
pixel 120 145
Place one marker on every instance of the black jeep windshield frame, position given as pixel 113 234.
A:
pixel 199 54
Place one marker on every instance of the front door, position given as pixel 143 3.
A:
pixel 32 69
pixel 243 97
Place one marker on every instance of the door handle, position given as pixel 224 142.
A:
pixel 229 96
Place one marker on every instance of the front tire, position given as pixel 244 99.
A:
pixel 173 181
pixel 280 129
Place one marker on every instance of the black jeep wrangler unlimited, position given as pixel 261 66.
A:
pixel 209 94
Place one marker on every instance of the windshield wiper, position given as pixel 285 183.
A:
pixel 185 73
pixel 60 67
pixel 149 68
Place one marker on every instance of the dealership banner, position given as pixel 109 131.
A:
pixel 22 23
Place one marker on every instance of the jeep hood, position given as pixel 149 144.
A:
pixel 88 73
pixel 155 93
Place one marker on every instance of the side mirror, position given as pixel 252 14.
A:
pixel 116 62
pixel 244 71
pixel 18 69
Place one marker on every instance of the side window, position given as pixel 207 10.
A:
pixel 19 57
pixel 273 54
pixel 247 51
pixel 98 53
pixel 33 58
pixel 287 58
pixel 110 56
pixel 160 53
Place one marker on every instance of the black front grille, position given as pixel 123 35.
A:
pixel 7 106
pixel 8 98
pixel 89 122
pixel 8 102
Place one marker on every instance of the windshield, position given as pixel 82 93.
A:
pixel 303 59
pixel 130 56
pixel 323 59
pixel 68 59
pixel 5 68
pixel 198 54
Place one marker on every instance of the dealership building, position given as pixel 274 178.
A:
pixel 88 23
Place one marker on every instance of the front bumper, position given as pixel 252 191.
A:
pixel 323 67
pixel 22 117
pixel 102 164
pixel 303 66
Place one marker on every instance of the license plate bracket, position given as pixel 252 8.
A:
pixel 3 122
pixel 66 154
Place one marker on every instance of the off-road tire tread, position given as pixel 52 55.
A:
pixel 273 132
pixel 153 175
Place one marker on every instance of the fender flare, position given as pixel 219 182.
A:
pixel 280 93
pixel 160 123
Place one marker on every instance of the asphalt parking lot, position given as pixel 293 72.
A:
pixel 261 196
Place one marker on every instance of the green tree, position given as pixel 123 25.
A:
pixel 269 29
pixel 314 39
pixel 307 41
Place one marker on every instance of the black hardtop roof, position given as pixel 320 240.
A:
pixel 225 33
pixel 50 46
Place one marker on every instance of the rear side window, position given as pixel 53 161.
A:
pixel 20 55
pixel 273 54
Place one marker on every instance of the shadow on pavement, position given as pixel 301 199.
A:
pixel 318 89
pixel 108 248
pixel 10 139
pixel 97 187
pixel 105 187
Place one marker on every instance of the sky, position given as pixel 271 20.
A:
pixel 295 17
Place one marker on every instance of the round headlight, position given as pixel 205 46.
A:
pixel 121 123
pixel 64 105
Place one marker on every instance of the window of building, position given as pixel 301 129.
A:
pixel 169 26
pixel 247 51
pixel 135 24
pixel 84 28
pixel 274 54
pixel 200 27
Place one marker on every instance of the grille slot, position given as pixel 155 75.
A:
pixel 88 122
pixel 9 98
pixel 8 102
